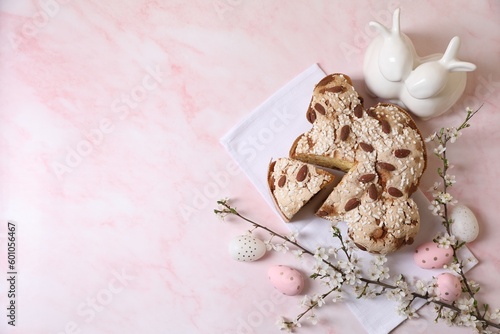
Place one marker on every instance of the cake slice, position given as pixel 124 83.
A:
pixel 293 183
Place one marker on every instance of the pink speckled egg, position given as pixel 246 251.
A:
pixel 430 256
pixel 448 287
pixel 286 280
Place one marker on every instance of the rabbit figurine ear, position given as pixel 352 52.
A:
pixel 383 29
pixel 396 56
pixel 380 28
pixel 449 59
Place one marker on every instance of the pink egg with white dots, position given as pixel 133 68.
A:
pixel 448 288
pixel 430 256
pixel 286 280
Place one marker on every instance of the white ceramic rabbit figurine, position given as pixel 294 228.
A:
pixel 426 86
pixel 389 59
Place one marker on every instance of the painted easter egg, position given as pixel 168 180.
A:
pixel 430 256
pixel 246 248
pixel 448 287
pixel 286 280
pixel 464 226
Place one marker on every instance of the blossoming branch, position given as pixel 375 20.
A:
pixel 340 269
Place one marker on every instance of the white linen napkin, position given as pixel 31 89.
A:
pixel 268 133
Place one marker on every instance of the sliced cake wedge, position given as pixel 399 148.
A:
pixel 293 183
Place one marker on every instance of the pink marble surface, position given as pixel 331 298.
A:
pixel 111 114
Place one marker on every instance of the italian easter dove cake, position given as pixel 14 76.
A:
pixel 383 155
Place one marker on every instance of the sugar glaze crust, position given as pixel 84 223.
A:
pixel 293 183
pixel 384 156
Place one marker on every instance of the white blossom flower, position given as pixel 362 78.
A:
pixel 296 324
pixel 318 299
pixel 430 138
pixel 284 247
pixel 320 254
pixel 403 285
pixel 424 287
pixel 448 315
pixel 445 240
pixel 435 187
pixel 320 269
pixel 405 310
pixel 431 299
pixel 355 260
pixel 473 285
pixel 299 253
pixel 446 198
pixel 495 314
pixel 375 273
pixel 440 149
pixel 293 236
pixel 269 245
pixel 350 270
pixel 306 301
pixel 337 296
pixel 359 290
pixel 449 179
pixel 352 278
pixel 484 331
pixel 384 273
pixel 379 260
pixel 277 247
pixel 453 133
pixel 313 318
pixel 396 294
pixel 453 266
pixel 344 264
pixel 435 207
pixel 335 280
pixel 421 287
pixel 367 292
pixel 464 304
pixel 283 324
pixel 377 270
pixel 333 251
pixel 401 293
pixel 468 320
pixel 350 245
